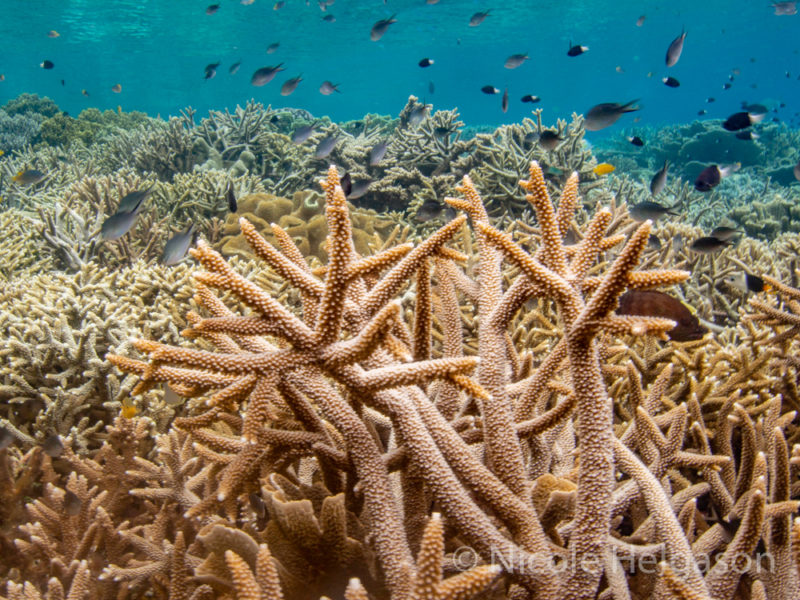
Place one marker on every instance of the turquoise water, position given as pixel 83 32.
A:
pixel 157 51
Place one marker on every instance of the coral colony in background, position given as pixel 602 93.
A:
pixel 457 364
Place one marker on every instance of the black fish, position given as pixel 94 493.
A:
pixel 425 62
pixel 46 64
pixel 490 89
pixel 707 245
pixel 747 282
pixel 430 209
pixel 530 98
pixel 725 233
pixel 710 177
pixel 549 139
pixel 504 103
pixel 346 182
pixel 231 197
pixel 576 50
pixel 211 71
pixel 742 120
pixel 212 8
pixel 651 303
pixel 606 114
pixel 636 141
pixel 671 82
pixel 675 49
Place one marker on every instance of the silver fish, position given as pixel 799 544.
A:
pixel 327 88
pixel 675 49
pixel 290 85
pixel 325 146
pixel 417 114
pixel 118 224
pixel 515 60
pixel 659 180
pixel 478 18
pixel 132 199
pixel 178 246
pixel 272 48
pixel 301 134
pixel 649 210
pixel 606 114
pixel 53 446
pixel 377 152
pixel 381 27
pixel 265 74
pixel 785 8
pixel 234 67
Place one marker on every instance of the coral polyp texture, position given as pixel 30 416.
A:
pixel 464 416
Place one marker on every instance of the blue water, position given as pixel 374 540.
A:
pixel 157 50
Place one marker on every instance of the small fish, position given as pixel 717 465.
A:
pixel 234 68
pixel 785 8
pixel 53 34
pixel 711 99
pixel 329 19
pixel 707 245
pixel 417 114
pixel 636 141
pixel 478 18
pixel 675 49
pixel 85 93
pixel 2 76
pixel 549 139
pixel 132 199
pixel 380 28
pixel 504 102
pixel 171 398
pixel 576 50
pixel 327 88
pixel 128 409
pixel 659 179
pixel 442 132
pixel 258 505
pixel 377 152
pixel 346 183
pixel 530 98
pixel 46 64
pixel 63 82
pixel 301 134
pixel 178 246
pixel 710 177
pixel 429 210
pixel 265 74
pixel 746 282
pixel 425 62
pixel 796 171
pixel 278 5
pixel 653 242
pixel 230 196
pixel 530 139
pixel 671 82
pixel 72 504
pixel 603 169
pixel 325 146
pixel 246 2
pixel 725 233
pixel 726 86
pixel 515 60
pixel 358 189
pixel 677 243
pixel 702 112
pixel 640 21
pixel 116 88
pixel 6 439
pixel 53 446
pixel 742 120
pixel 648 210
pixel 290 85
pixel 651 303
pixel 490 89
pixel 212 8
pixel 747 135
pixel 28 177
pixel 619 69
pixel 272 48
pixel 211 70
pixel 606 114
pixel 118 224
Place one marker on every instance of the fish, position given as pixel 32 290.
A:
pixel 128 409
pixel 430 209
pixel 648 210
pixel 46 64
pixel 710 177
pixel 63 82
pixel 325 146
pixel 417 114
pixel 212 8
pixel 116 88
pixel 132 199
pixel 785 8
pixel 327 88
pixel 72 504
pixel 211 70
pixel 652 303
pixel 671 82
pixel 329 19
pixel 659 180
pixel 725 233
pixel 178 245
pixel 278 5
pixel 258 505
pixel 653 242
pixel 796 171
pixel 425 62
pixel 357 189
pixel 442 132
pixel 53 34
pixel 346 183
pixel 675 49
pixel 515 60
pixel 742 120
pixel 606 114
pixel 726 86
pixel 576 50
pixel 381 27
pixel 28 177
pixel 377 152
pixel 85 93
pixel 53 446
pixel 265 74
pixel 301 134
pixel 746 135
pixel 272 48
pixel 549 139
pixel 708 244
pixel 711 99
pixel 747 282
pixel 636 141
pixel 677 242
pixel 478 18
pixel 702 112
pixel 290 85
pixel 530 98
pixel 603 169
pixel 504 102
pixel 172 398
pixel 530 139
pixel 230 196
pixel 640 20
pixel 234 68
pixel 246 2
pixel 118 224
pixel 6 439
pixel 490 89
